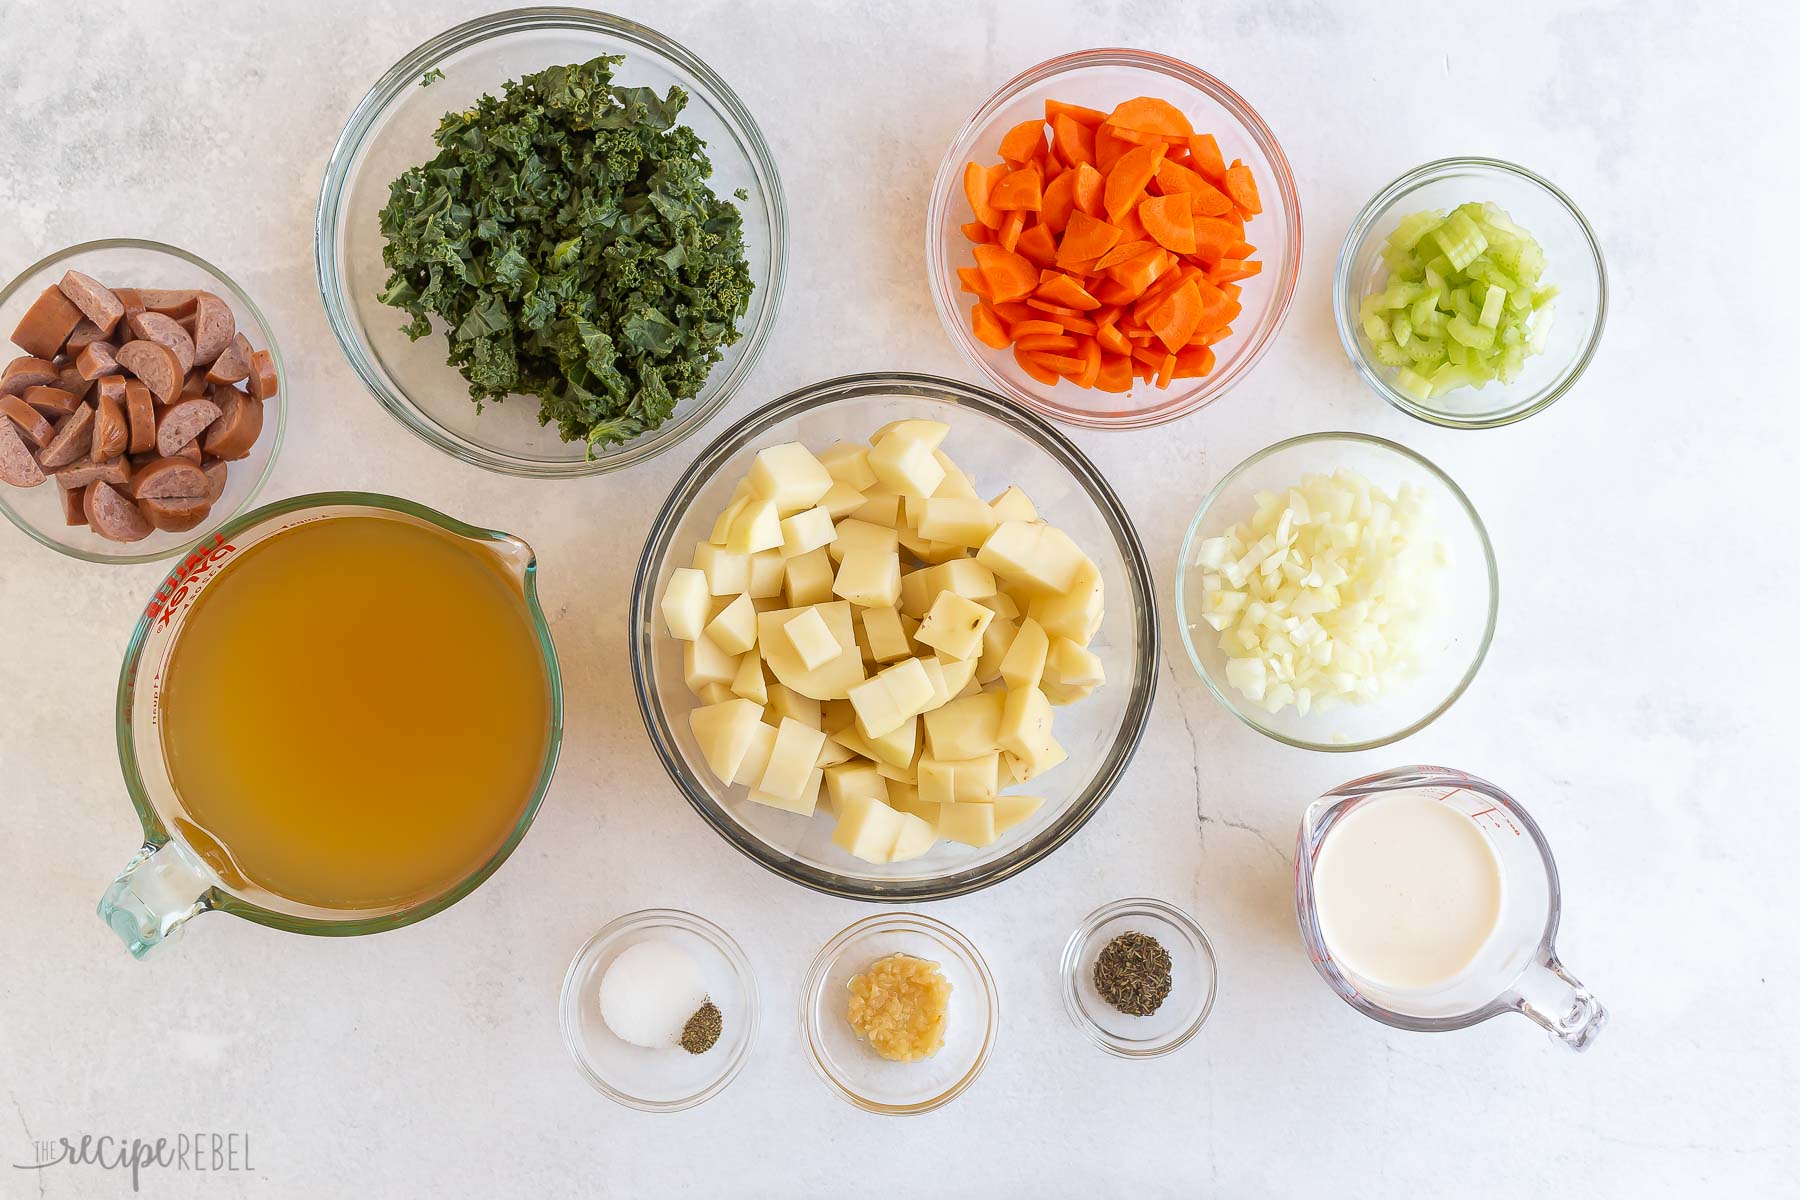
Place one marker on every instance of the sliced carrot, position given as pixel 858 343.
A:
pixel 1023 189
pixel 1133 137
pixel 1055 310
pixel 1115 373
pixel 1208 200
pixel 1037 244
pixel 1108 146
pixel 1090 190
pixel 978 182
pixel 1090 117
pixel 1050 165
pixel 1140 272
pixel 1165 371
pixel 1074 141
pixel 1132 226
pixel 1023 142
pixel 1235 291
pixel 1240 185
pixel 1111 291
pixel 1029 364
pixel 1211 337
pixel 1059 201
pixel 1176 318
pixel 1090 372
pixel 1170 221
pixel 1011 228
pixel 1035 325
pixel 1063 290
pixel 1231 269
pixel 1108 315
pixel 1217 308
pixel 1125 184
pixel 989 329
pixel 1211 238
pixel 1239 250
pixel 975 231
pixel 1147 114
pixel 1079 325
pixel 1062 364
pixel 1194 361
pixel 1013 311
pixel 1008 276
pixel 1207 159
pixel 1057 343
pixel 973 283
pixel 1086 238
pixel 1111 340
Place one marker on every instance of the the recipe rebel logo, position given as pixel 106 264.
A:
pixel 204 1152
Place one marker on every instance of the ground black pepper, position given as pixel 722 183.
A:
pixel 1133 974
pixel 702 1030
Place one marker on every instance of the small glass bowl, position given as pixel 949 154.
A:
pixel 390 132
pixel 660 1080
pixel 1194 969
pixel 853 1070
pixel 1468 608
pixel 1102 79
pixel 132 262
pixel 1572 263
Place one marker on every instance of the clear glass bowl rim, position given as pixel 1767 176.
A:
pixel 727 946
pixel 238 296
pixel 1343 303
pixel 1221 693
pixel 908 922
pixel 945 187
pixel 1073 953
pixel 403 75
pixel 643 630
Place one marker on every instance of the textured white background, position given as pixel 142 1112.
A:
pixel 1638 698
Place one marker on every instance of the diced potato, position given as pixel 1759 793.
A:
pixel 970 824
pixel 882 630
pixel 966 728
pixel 853 535
pixel 835 715
pixel 934 671
pixel 892 697
pixel 767 570
pixel 796 749
pixel 749 682
pixel 806 531
pixel 879 508
pixel 1026 723
pixel 937 781
pixel 870 578
pixel 807 579
pixel 713 693
pixel 908 774
pixel 1039 557
pixel 915 599
pixel 811 639
pixel 734 629
pixel 789 475
pixel 926 550
pixel 785 702
pixel 1011 810
pixel 996 640
pixel 854 778
pixel 848 463
pixel 756 527
pixel 841 501
pixel 1003 605
pixel 905 798
pixel 721 530
pixel 1061 694
pixel 1013 505
pixel 685 602
pixel 756 757
pixel 903 460
pixel 964 576
pixel 970 780
pixel 1074 665
pixel 832 753
pixel 1077 611
pixel 832 681
pixel 702 662
pixel 867 828
pixel 726 573
pixel 1023 666
pixel 962 522
pixel 724 732
pixel 956 485
pixel 916 838
pixel 1024 769
pixel 805 803
pixel 959 673
pixel 954 626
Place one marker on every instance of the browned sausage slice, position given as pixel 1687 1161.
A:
pixel 216 474
pixel 132 299
pixel 96 359
pixel 74 508
pixel 47 324
pixel 192 452
pixel 170 302
pixel 115 471
pixel 17 466
pixel 165 331
pixel 239 425
pixel 86 334
pixel 233 363
pixel 176 514
pixel 53 402
pixel 156 365
pixel 140 414
pixel 33 425
pixel 161 478
pixel 95 300
pixel 112 516
pixel 214 327
pixel 70 381
pixel 111 433
pixel 181 423
pixel 263 383
pixel 194 385
pixel 74 433
pixel 27 372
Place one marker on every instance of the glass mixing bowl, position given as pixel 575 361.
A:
pixel 1102 79
pixel 997 445
pixel 390 132
pixel 1571 261
pixel 1467 609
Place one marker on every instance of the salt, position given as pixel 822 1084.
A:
pixel 648 993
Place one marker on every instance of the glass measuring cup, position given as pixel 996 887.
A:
pixel 1516 970
pixel 166 882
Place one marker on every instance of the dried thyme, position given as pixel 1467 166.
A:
pixel 1133 974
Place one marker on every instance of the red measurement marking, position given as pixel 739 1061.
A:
pixel 185 580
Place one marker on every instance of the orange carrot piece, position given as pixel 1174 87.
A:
pixel 1059 201
pixel 1194 361
pixel 1023 142
pixel 1064 290
pixel 1022 189
pixel 1211 337
pixel 1165 371
pixel 1134 138
pixel 1240 185
pixel 1090 189
pixel 975 231
pixel 978 181
pixel 1085 238
pixel 1035 325
pixel 1030 365
pixel 989 329
pixel 1037 244
pixel 1170 221
pixel 1079 325
pixel 1055 310
pixel 1208 201
pixel 1230 270
pixel 1074 141
pixel 1135 169
pixel 1140 272
pixel 1211 238
pixel 1147 114
pixel 1008 276
pixel 1062 364
pixel 1108 146
pixel 1239 250
pixel 1177 318
pixel 1217 308
pixel 1090 372
pixel 1111 340
pixel 1115 373
pixel 1132 226
pixel 1041 343
pixel 1010 229
pixel 1049 164
pixel 1207 159
pixel 1111 291
pixel 1090 117
pixel 973 283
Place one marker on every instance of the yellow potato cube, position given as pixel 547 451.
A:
pixel 1023 665
pixel 959 673
pixel 1011 810
pixel 727 574
pixel 869 578
pixel 879 508
pixel 1076 612
pixel 853 535
pixel 785 702
pixel 829 682
pixel 767 570
pixel 1074 665
pixel 797 747
pixel 891 698
pixel 905 798
pixel 886 637
pixel 915 600
pixel 916 838
pixel 926 550
pixel 1061 694
pixel 995 642
pixel 964 576
pixel 835 715
pixel 1003 605
pixel 749 682
pixel 811 639
pixel 1013 505
pixel 702 662
pixel 970 824
pixel 713 693
pixel 966 728
pixel 961 522
pixel 937 781
pixel 756 758
pixel 789 475
pixel 756 527
pixel 934 671
pixel 841 501
pixel 847 462
pixel 1026 723
pixel 685 601
pixel 807 579
pixel 832 754
pixel 903 459
pixel 1038 557
pixel 866 828
pixel 724 732
pixel 956 485
pixel 805 802
pixel 806 531
pixel 722 523
pixel 954 626
pixel 976 779
pixel 734 629
pixel 854 779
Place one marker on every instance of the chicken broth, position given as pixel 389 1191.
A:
pixel 356 714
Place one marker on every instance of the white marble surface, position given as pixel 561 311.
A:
pixel 1639 696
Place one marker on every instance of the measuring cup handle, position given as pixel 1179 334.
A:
pixel 159 889
pixel 1558 1001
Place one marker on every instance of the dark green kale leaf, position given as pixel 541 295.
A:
pixel 567 241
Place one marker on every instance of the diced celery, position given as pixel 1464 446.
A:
pixel 1511 363
pixel 1460 238
pixel 1450 376
pixel 1424 308
pixel 1415 385
pixel 1468 333
pixel 1399 295
pixel 1376 328
pixel 1402 328
pixel 1422 349
pixel 1390 354
pixel 1491 306
pixel 1455 351
pixel 1412 227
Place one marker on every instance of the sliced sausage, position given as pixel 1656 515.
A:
pixel 165 331
pixel 262 375
pixel 192 452
pixel 70 381
pixel 86 334
pixel 74 433
pixel 112 516
pixel 132 299
pixel 181 423
pixel 233 363
pixel 47 324
pixel 17 466
pixel 74 508
pixel 156 365
pixel 161 478
pixel 140 415
pixel 33 425
pixel 176 514
pixel 22 373
pixel 96 359
pixel 115 471
pixel 214 327
pixel 194 385
pixel 111 432
pixel 53 402
pixel 170 302
pixel 216 473
pixel 95 300
pixel 239 425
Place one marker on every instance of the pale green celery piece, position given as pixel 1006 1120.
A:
pixel 1399 295
pixel 1467 333
pixel 1402 327
pixel 1460 238
pixel 1511 334
pixel 1434 279
pixel 1371 306
pixel 1465 306
pixel 1430 325
pixel 1540 296
pixel 1424 349
pixel 1412 227
pixel 1376 327
pixel 1540 331
pixel 1424 309
pixel 1409 271
pixel 1491 306
pixel 1414 384
pixel 1451 376
pixel 1390 354
pixel 1512 362
pixel 1456 352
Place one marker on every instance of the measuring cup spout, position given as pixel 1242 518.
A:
pixel 157 892
pixel 1558 1001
